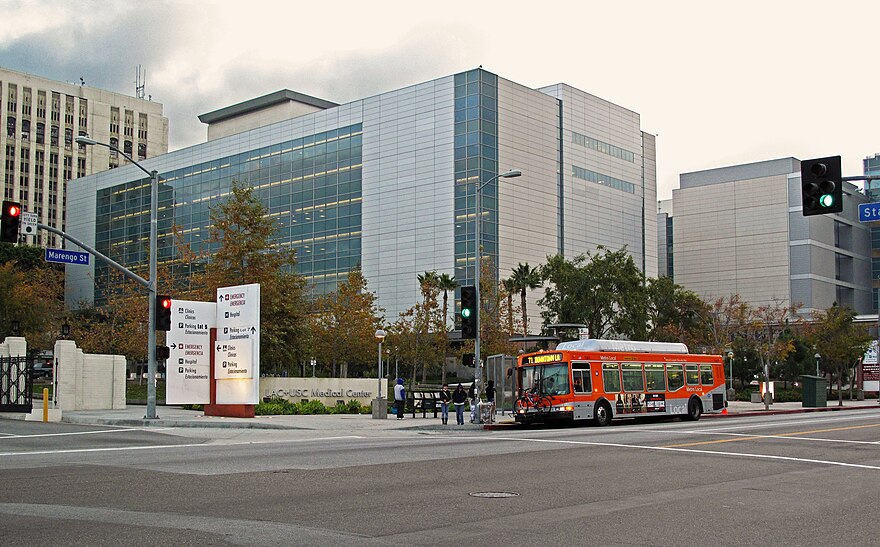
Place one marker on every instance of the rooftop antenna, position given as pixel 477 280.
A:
pixel 139 83
pixel 81 81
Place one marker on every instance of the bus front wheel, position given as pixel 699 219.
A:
pixel 603 414
pixel 695 409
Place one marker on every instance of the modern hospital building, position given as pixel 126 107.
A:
pixel 388 183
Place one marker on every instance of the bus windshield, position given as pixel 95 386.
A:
pixel 546 379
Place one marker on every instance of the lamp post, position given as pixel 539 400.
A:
pixel 478 370
pixel 152 367
pixel 380 409
pixel 817 357
pixel 730 392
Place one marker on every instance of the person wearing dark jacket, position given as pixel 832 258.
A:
pixel 445 399
pixel 459 397
pixel 490 399
pixel 399 398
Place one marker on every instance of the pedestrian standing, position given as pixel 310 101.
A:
pixel 459 396
pixel 490 398
pixel 472 395
pixel 399 398
pixel 445 398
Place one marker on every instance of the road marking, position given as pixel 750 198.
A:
pixel 13 436
pixel 693 451
pixel 165 446
pixel 743 437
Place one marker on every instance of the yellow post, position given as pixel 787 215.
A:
pixel 45 404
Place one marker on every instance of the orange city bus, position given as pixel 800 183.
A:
pixel 600 380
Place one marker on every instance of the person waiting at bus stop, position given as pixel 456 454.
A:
pixel 459 396
pixel 445 399
pixel 399 398
pixel 490 399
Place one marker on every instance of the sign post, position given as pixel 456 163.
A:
pixel 237 350
pixel 188 369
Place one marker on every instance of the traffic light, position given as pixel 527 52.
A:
pixel 469 312
pixel 10 222
pixel 467 360
pixel 163 312
pixel 821 186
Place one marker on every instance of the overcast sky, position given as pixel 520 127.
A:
pixel 718 83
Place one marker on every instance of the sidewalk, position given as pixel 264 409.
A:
pixel 172 416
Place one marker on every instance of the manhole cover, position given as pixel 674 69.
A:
pixel 493 494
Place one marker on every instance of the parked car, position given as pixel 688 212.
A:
pixel 42 370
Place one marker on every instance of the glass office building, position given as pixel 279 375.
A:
pixel 388 183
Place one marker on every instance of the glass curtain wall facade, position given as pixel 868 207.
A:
pixel 476 162
pixel 872 190
pixel 311 186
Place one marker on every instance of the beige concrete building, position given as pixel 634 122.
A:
pixel 42 118
pixel 741 230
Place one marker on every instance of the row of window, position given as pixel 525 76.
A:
pixel 604 180
pixel 604 147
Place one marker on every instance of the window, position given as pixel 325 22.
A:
pixel 604 180
pixel 582 381
pixel 674 377
pixel 706 376
pixel 654 377
pixel 632 377
pixel 693 375
pixel 611 377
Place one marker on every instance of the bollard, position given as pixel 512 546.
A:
pixel 45 404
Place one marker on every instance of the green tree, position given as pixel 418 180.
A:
pixel 446 283
pixel 525 278
pixel 674 314
pixel 240 234
pixel 421 331
pixel 33 296
pixel 604 291
pixel 345 327
pixel 838 340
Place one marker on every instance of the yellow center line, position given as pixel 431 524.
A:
pixel 753 437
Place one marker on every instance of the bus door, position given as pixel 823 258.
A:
pixel 582 389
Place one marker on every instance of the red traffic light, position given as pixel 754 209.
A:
pixel 14 210
pixel 166 303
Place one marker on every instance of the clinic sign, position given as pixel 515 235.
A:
pixel 188 369
pixel 236 317
pixel 237 348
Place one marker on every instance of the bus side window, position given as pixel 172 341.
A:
pixel 706 377
pixel 674 377
pixel 611 377
pixel 632 377
pixel 654 379
pixel 692 374
pixel 582 381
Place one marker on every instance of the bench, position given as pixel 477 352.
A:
pixel 424 401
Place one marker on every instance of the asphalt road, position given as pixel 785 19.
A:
pixel 801 479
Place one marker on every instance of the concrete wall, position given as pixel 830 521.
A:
pixel 87 381
pixel 326 390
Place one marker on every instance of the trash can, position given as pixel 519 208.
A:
pixel 815 391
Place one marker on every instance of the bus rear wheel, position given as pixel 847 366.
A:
pixel 695 409
pixel 603 414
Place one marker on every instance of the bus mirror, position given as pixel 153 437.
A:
pixel 509 372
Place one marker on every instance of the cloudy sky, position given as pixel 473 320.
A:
pixel 719 83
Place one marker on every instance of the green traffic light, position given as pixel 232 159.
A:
pixel 826 200
pixel 466 312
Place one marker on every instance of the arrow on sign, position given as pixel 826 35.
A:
pixel 173 346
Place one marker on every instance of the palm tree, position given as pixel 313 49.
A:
pixel 525 278
pixel 509 287
pixel 428 281
pixel 446 283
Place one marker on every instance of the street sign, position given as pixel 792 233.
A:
pixel 67 257
pixel 28 224
pixel 238 330
pixel 869 212
pixel 188 368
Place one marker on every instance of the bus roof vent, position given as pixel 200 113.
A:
pixel 623 345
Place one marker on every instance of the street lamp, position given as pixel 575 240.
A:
pixel 817 357
pixel 730 368
pixel 478 221
pixel 380 409
pixel 152 367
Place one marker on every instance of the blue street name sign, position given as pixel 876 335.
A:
pixel 869 212
pixel 66 257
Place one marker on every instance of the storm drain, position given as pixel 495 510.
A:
pixel 494 494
